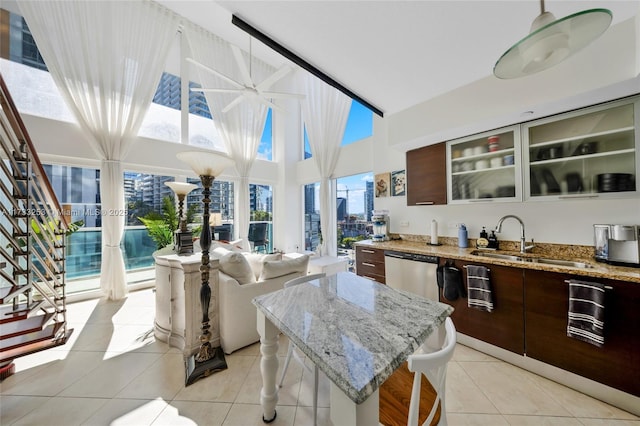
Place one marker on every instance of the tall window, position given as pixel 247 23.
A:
pixel 78 191
pixel 221 202
pixel 312 232
pixel 354 202
pixel 359 126
pixel 261 218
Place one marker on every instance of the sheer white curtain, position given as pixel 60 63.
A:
pixel 106 59
pixel 325 111
pixel 241 127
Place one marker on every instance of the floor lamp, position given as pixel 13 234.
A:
pixel 207 360
pixel 183 236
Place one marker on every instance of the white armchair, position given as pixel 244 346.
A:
pixel 238 319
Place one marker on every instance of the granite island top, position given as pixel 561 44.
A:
pixel 355 330
pixel 597 269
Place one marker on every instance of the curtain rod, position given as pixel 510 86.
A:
pixel 300 62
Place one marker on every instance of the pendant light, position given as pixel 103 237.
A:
pixel 551 41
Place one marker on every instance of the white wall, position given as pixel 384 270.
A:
pixel 610 62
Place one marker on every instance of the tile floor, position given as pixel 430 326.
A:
pixel 113 372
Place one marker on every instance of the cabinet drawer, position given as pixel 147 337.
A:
pixel 379 278
pixel 370 268
pixel 371 255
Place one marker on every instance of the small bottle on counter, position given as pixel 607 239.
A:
pixel 483 241
pixel 493 241
pixel 434 233
pixel 462 236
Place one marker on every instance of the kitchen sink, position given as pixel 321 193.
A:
pixel 498 255
pixel 544 260
pixel 560 262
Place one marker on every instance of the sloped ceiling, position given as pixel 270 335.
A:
pixel 394 54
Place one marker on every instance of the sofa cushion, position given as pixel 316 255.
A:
pixel 278 268
pixel 256 261
pixel 236 265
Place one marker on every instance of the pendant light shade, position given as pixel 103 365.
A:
pixel 551 41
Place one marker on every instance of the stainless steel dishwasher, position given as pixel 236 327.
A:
pixel 411 272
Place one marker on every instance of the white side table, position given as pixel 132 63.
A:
pixel 330 265
pixel 178 319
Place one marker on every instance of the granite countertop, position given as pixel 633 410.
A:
pixel 355 330
pixel 556 251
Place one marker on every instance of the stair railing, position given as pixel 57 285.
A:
pixel 32 233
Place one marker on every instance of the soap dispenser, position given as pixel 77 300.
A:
pixel 462 236
pixel 483 241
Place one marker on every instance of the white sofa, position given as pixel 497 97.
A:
pixel 238 317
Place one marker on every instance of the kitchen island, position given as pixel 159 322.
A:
pixel 357 331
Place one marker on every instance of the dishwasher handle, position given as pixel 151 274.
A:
pixel 425 258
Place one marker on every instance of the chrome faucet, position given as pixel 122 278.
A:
pixel 523 244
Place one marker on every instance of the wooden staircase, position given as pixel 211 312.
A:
pixel 32 247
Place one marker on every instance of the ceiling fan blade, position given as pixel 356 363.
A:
pixel 280 95
pixel 271 80
pixel 271 105
pixel 197 89
pixel 233 103
pixel 244 71
pixel 216 73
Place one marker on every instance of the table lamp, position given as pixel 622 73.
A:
pixel 183 237
pixel 215 220
pixel 207 360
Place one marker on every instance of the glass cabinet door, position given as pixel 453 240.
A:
pixel 587 154
pixel 485 167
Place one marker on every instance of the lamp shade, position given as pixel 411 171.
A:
pixel 551 41
pixel 215 219
pixel 181 188
pixel 206 163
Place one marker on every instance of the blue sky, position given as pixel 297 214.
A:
pixel 359 126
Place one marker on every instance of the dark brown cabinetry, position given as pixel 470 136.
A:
pixel 617 363
pixel 427 175
pixel 504 326
pixel 370 263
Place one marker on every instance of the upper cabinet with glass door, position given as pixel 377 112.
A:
pixel 583 154
pixel 485 167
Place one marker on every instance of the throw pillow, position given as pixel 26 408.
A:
pixel 256 261
pixel 236 265
pixel 278 268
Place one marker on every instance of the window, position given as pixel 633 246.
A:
pixel 221 202
pixel 359 126
pixel 261 218
pixel 265 150
pixel 354 202
pixel 312 216
pixel 78 191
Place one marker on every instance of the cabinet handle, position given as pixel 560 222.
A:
pixel 371 278
pixel 367 251
pixel 369 264
pixel 568 197
pixel 606 287
pixel 424 203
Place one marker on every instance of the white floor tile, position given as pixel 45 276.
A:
pixel 127 412
pixel 512 390
pixel 191 413
pixel 60 411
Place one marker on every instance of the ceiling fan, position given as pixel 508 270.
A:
pixel 248 89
